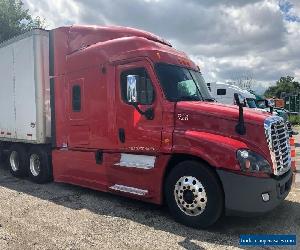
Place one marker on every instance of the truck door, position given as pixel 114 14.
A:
pixel 136 131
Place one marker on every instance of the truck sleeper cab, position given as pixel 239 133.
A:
pixel 223 93
pixel 131 115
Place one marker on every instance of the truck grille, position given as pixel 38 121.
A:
pixel 278 142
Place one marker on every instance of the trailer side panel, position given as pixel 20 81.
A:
pixel 24 89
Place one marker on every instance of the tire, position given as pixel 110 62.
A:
pixel 17 160
pixel 40 168
pixel 194 194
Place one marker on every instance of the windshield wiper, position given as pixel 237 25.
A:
pixel 188 98
pixel 210 99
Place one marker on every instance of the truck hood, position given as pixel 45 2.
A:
pixel 221 119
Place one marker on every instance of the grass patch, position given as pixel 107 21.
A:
pixel 294 119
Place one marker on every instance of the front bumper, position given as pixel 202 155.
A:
pixel 243 194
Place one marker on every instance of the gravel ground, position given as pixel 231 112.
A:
pixel 60 216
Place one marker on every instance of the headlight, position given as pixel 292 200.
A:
pixel 252 162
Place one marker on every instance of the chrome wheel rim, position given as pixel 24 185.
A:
pixel 35 165
pixel 14 161
pixel 190 195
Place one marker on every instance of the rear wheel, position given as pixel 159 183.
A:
pixel 40 170
pixel 194 194
pixel 17 160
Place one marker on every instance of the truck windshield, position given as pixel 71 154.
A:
pixel 182 84
pixel 261 104
pixel 251 103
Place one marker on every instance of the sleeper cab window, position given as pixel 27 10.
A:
pixel 76 98
pixel 137 87
pixel 221 91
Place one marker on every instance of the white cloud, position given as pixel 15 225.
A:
pixel 57 13
pixel 226 38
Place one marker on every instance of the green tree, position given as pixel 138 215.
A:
pixel 15 19
pixel 285 84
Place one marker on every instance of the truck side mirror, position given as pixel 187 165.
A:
pixel 240 127
pixel 139 90
pixel 269 105
pixel 132 85
pixel 237 99
pixel 135 91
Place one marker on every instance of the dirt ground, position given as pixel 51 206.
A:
pixel 61 216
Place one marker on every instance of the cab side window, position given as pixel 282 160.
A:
pixel 145 90
pixel 221 91
pixel 76 98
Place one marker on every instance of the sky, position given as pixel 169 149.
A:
pixel 229 39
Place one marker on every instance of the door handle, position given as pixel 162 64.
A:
pixel 122 135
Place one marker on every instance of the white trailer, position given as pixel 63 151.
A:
pixel 25 89
pixel 224 93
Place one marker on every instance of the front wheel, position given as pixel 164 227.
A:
pixel 194 194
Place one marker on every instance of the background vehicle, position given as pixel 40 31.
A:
pixel 224 93
pixel 120 110
pixel 278 109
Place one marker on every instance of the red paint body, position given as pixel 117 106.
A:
pixel 94 57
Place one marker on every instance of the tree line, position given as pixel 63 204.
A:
pixel 285 84
pixel 15 19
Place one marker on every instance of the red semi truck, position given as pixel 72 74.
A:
pixel 120 110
